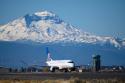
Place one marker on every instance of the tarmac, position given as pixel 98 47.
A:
pixel 58 75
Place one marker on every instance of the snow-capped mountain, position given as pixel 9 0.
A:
pixel 45 27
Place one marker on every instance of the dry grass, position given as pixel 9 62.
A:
pixel 72 80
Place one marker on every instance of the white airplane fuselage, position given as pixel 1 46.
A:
pixel 61 63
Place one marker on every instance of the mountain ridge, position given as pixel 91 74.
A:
pixel 47 27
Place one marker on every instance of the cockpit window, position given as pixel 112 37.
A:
pixel 71 62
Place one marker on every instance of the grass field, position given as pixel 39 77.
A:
pixel 71 80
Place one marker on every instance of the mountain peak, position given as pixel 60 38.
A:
pixel 42 16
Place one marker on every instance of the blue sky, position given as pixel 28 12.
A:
pixel 100 17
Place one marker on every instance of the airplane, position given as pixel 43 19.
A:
pixel 59 65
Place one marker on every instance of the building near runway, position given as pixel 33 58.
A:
pixel 4 69
pixel 96 63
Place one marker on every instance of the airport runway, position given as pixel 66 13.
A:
pixel 45 76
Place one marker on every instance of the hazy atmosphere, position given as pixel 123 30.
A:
pixel 62 41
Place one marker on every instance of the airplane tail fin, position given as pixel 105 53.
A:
pixel 48 54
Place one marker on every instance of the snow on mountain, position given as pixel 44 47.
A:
pixel 47 27
pixel 123 42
